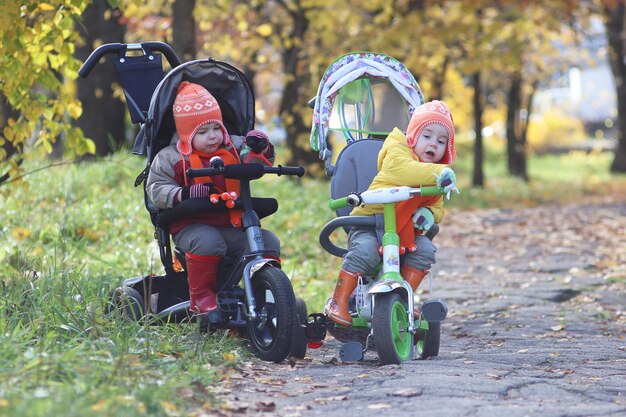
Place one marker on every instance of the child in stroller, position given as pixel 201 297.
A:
pixel 204 238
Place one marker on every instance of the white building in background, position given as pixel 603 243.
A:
pixel 587 89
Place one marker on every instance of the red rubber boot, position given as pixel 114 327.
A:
pixel 202 278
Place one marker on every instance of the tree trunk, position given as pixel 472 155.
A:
pixel 439 79
pixel 8 112
pixel 615 29
pixel 292 102
pixel 184 29
pixel 478 179
pixel 103 115
pixel 516 146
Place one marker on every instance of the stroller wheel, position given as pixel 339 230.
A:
pixel 125 302
pixel 299 339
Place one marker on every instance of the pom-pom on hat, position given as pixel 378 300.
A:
pixel 193 107
pixel 428 113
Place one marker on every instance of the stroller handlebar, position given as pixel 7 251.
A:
pixel 121 48
pixel 248 171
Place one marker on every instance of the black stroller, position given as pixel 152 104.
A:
pixel 265 308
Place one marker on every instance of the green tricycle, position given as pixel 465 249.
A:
pixel 382 306
pixel 361 98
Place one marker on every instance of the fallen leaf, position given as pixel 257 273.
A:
pixel 184 392
pixel 522 351
pixel 20 233
pixel 407 393
pixel 324 400
pixel 496 342
pixel 237 408
pixel 169 407
pixel 266 406
pixel 379 406
pixel 557 328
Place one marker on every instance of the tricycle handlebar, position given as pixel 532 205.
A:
pixel 383 195
pixel 248 171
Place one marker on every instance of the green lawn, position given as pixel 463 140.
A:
pixel 77 231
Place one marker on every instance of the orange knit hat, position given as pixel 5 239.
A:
pixel 194 106
pixel 428 113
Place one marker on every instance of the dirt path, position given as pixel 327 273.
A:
pixel 537 325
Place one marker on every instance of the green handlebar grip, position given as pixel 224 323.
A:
pixel 431 190
pixel 338 203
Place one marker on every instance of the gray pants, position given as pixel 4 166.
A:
pixel 363 252
pixel 204 240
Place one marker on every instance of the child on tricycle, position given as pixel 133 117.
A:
pixel 420 158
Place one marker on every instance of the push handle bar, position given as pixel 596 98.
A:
pixel 121 48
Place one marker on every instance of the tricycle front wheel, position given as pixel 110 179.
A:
pixel 390 324
pixel 271 330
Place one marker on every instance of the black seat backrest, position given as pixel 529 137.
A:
pixel 355 168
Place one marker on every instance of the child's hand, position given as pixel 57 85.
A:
pixel 257 140
pixel 447 180
pixel 199 191
pixel 423 219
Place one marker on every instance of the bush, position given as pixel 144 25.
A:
pixel 554 130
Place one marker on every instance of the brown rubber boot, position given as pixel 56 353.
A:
pixel 337 306
pixel 414 277
pixel 202 278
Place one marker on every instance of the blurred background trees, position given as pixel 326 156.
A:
pixel 510 70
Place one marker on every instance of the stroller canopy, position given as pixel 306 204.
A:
pixel 227 84
pixel 361 95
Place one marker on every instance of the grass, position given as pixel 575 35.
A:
pixel 75 232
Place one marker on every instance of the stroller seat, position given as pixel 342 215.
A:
pixel 355 169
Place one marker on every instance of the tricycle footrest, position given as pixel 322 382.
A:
pixel 316 327
pixel 434 310
pixel 351 352
pixel 227 301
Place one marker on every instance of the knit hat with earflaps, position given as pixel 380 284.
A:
pixel 194 107
pixel 428 113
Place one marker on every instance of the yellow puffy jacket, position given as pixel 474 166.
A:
pixel 397 166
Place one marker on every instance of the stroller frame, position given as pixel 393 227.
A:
pixel 166 297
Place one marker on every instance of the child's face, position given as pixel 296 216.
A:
pixel 208 138
pixel 431 144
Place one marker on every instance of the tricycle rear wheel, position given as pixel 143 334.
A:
pixel 299 340
pixel 125 302
pixel 427 341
